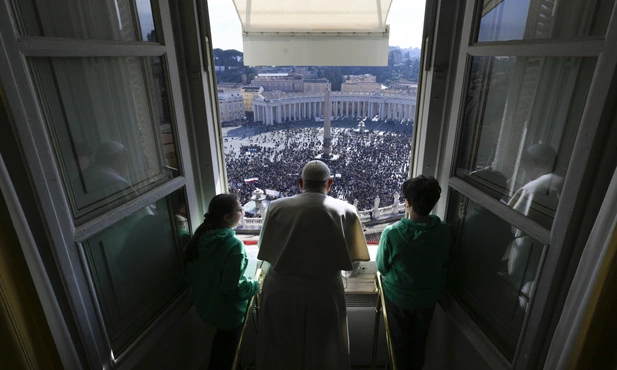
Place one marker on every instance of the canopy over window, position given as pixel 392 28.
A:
pixel 314 32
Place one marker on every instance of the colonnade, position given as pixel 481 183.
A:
pixel 296 107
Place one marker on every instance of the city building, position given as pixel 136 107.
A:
pixel 404 85
pixel 231 105
pixel 248 94
pixel 287 82
pixel 361 83
pixel 316 85
pixel 92 274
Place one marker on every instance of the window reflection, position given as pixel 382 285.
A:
pixel 503 20
pixel 118 20
pixel 493 270
pixel 111 125
pixel 137 268
pixel 520 120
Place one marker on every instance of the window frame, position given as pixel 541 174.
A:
pixel 65 238
pixel 555 258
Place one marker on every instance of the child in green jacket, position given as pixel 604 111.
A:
pixel 411 258
pixel 216 262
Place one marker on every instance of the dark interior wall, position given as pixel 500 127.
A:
pixel 449 347
pixel 25 336
pixel 598 350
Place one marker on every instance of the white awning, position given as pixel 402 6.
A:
pixel 314 32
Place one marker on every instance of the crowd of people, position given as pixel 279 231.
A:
pixel 366 165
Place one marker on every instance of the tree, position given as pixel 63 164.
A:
pixel 414 70
pixel 332 74
pixel 391 60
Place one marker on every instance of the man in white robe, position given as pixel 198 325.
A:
pixel 307 239
pixel 537 200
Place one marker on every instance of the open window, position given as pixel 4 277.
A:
pixel 524 77
pixel 109 157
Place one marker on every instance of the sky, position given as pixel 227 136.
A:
pixel 405 18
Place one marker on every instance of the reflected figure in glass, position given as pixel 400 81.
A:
pixel 540 195
pixel 537 199
pixel 110 172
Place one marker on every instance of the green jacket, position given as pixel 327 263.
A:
pixel 411 257
pixel 219 288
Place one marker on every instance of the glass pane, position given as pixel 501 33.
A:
pixel 110 122
pixel 136 266
pixel 503 20
pixel 119 20
pixel 520 120
pixel 493 269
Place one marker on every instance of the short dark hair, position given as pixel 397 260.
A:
pixel 422 193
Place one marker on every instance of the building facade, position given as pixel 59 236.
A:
pixel 361 83
pixel 287 82
pixel 404 85
pixel 231 105
pixel 388 105
pixel 312 85
pixel 248 94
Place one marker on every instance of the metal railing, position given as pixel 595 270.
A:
pixel 380 308
pixel 253 302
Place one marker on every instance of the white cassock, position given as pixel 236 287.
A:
pixel 307 239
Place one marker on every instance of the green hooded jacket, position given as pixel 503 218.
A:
pixel 411 257
pixel 219 288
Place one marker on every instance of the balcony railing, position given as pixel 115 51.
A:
pixel 375 214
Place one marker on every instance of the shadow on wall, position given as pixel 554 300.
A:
pixel 185 346
pixel 446 338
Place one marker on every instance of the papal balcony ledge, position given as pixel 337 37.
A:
pixel 370 217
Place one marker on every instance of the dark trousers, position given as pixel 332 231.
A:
pixel 223 348
pixel 409 330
